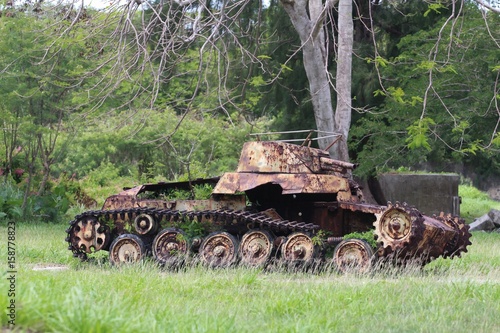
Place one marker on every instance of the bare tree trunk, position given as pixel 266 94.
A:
pixel 10 132
pixel 309 24
pixel 31 156
pixel 344 79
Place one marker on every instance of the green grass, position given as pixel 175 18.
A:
pixel 460 295
pixel 475 203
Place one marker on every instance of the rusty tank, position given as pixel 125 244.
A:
pixel 285 202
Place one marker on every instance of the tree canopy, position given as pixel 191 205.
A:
pixel 171 89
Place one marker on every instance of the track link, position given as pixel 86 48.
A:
pixel 115 222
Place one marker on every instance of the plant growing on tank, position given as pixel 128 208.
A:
pixel 368 236
pixel 191 227
pixel 320 237
pixel 198 192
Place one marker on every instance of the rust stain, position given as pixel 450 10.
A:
pixel 231 183
pixel 292 192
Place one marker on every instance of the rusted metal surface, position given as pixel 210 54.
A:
pixel 236 202
pixel 281 198
pixel 125 249
pixel 145 224
pixel 299 246
pixel 89 235
pixel 435 239
pixel 362 207
pixel 170 246
pixel 219 250
pixel 231 183
pixel 353 255
pixel 405 233
pixel 399 229
pixel 128 200
pixel 281 157
pixel 256 247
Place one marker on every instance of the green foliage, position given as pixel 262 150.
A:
pixel 320 237
pixel 193 228
pixel 11 200
pixel 199 192
pixel 367 236
pixel 104 173
pixel 434 7
pixel 201 147
pixel 48 207
pixel 496 140
pixel 418 132
pixel 379 61
pixel 475 203
pixel 458 119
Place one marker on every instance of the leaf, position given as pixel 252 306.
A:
pixel 474 147
pixel 397 94
pixel 416 100
pixel 434 7
pixel 461 127
pixel 257 81
pixel 426 65
pixel 381 61
pixel 285 68
pixel 448 69
pixel 264 57
pixel 418 134
pixel 379 92
pixel 496 140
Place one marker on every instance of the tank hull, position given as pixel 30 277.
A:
pixel 284 201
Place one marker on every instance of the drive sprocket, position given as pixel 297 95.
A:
pixel 398 229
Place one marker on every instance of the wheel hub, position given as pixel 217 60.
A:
pixel 353 255
pixel 170 245
pixel 219 249
pixel 126 248
pixel 256 247
pixel 298 247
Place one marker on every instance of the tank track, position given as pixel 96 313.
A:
pixel 462 238
pixel 221 218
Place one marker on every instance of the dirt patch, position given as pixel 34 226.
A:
pixel 50 267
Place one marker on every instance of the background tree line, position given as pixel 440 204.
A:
pixel 169 90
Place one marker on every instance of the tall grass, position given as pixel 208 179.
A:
pixel 475 203
pixel 459 295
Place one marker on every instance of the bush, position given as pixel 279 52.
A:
pixel 11 200
pixel 48 207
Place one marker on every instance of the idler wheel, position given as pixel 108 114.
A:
pixel 126 249
pixel 88 235
pixel 353 255
pixel 170 245
pixel 298 247
pixel 256 247
pixel 219 249
pixel 462 237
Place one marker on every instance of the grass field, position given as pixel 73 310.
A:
pixel 475 203
pixel 460 295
